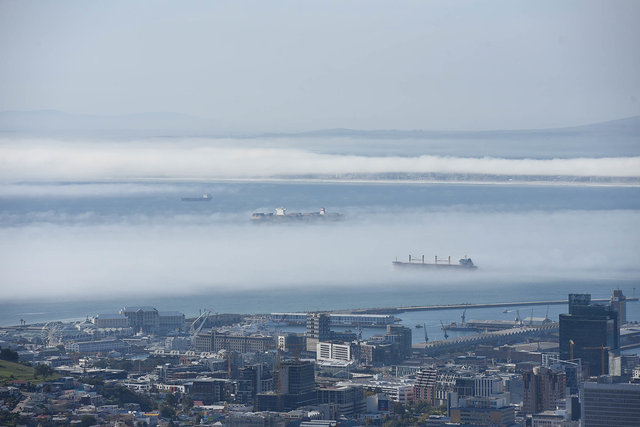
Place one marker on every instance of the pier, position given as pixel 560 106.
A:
pixel 462 306
pixel 490 338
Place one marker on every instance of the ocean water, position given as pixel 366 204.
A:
pixel 75 250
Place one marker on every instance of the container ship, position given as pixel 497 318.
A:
pixel 281 214
pixel 204 198
pixel 418 262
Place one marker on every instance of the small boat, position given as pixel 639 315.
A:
pixel 206 197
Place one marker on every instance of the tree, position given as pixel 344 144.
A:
pixel 88 420
pixel 9 355
pixel 43 370
pixel 167 412
pixel 187 403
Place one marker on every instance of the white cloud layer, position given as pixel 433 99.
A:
pixel 52 160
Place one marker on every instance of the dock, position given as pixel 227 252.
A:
pixel 462 306
pixel 490 338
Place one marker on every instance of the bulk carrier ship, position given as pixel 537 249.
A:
pixel 463 263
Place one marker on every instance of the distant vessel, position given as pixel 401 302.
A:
pixel 281 214
pixel 206 197
pixel 463 263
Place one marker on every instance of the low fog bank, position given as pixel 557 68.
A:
pixel 202 159
pixel 166 258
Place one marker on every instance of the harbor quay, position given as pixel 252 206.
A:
pixel 139 365
pixel 461 306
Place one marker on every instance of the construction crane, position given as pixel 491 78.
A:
pixel 279 381
pixel 571 343
pixel 602 348
pixel 446 335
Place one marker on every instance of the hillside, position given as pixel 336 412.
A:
pixel 10 371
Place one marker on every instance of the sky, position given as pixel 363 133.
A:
pixel 288 65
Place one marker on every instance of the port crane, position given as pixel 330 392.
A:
pixel 446 335
pixel 518 320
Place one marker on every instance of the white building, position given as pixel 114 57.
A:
pixel 111 321
pixel 331 351
pixel 488 386
pixel 99 346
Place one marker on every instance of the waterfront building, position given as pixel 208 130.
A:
pixel 143 319
pixel 149 320
pixel 543 388
pixel 98 346
pixel 588 333
pixel 338 319
pixel 170 321
pixel 241 343
pixel 364 320
pixel 111 321
pixel 607 405
pixel 203 342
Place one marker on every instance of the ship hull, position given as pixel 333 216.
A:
pixel 426 266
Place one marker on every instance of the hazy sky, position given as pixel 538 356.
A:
pixel 282 65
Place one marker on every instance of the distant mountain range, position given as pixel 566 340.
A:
pixel 44 122
pixel 629 126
